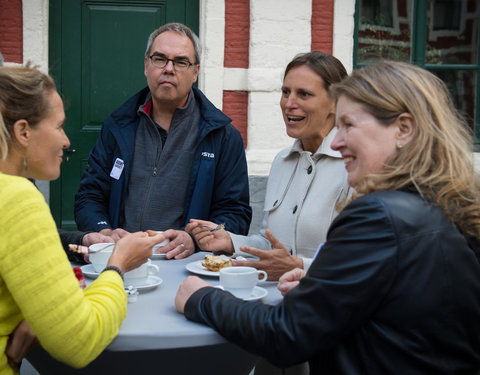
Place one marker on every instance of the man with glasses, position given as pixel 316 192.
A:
pixel 166 155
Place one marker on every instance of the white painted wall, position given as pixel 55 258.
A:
pixel 35 49
pixel 279 29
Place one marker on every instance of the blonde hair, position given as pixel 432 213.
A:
pixel 23 96
pixel 438 161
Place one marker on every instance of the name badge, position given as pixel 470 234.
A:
pixel 117 169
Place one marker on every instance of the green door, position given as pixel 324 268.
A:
pixel 96 56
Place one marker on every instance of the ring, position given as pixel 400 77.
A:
pixel 182 245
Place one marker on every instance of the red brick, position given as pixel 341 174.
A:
pixel 235 106
pixel 11 30
pixel 237 33
pixel 322 25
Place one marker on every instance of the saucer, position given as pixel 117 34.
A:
pixel 257 293
pixel 89 271
pixel 150 283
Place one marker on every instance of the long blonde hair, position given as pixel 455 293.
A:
pixel 438 161
pixel 23 96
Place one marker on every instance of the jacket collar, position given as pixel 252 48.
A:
pixel 212 117
pixel 323 149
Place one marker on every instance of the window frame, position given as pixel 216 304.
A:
pixel 418 54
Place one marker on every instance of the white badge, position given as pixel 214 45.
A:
pixel 117 169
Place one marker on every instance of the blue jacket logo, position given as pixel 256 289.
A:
pixel 208 155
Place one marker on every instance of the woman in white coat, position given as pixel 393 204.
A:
pixel 305 182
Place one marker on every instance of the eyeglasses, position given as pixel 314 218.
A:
pixel 179 64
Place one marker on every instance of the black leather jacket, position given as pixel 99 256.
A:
pixel 395 290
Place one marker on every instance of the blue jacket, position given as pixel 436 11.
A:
pixel 218 188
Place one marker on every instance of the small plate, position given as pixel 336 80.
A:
pixel 89 271
pixel 150 283
pixel 196 267
pixel 257 293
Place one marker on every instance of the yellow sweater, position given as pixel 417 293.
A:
pixel 37 283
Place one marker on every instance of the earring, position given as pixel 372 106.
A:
pixel 25 164
pixel 399 146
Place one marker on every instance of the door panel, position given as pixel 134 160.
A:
pixel 96 57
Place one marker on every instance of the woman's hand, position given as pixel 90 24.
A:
pixel 290 280
pixel 189 286
pixel 218 240
pixel 20 342
pixel 274 262
pixel 134 249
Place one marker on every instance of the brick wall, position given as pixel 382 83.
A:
pixel 236 55
pixel 235 106
pixel 11 30
pixel 237 33
pixel 322 25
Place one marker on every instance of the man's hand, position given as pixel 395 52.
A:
pixel 20 342
pixel 208 240
pixel 290 280
pixel 115 234
pixel 189 286
pixel 274 262
pixel 94 237
pixel 180 246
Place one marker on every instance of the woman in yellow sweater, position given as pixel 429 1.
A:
pixel 36 280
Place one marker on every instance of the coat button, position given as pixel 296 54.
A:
pixel 309 170
pixel 295 209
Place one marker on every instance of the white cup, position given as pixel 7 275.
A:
pixel 100 259
pixel 161 244
pixel 138 276
pixel 240 281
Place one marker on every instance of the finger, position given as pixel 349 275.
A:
pixel 202 222
pixel 176 251
pixel 156 237
pixel 191 226
pixel 200 231
pixel 170 233
pixel 204 237
pixel 276 244
pixel 245 263
pixel 253 251
pixel 184 254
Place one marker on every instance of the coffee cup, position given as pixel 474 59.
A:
pixel 240 281
pixel 161 244
pixel 138 276
pixel 99 254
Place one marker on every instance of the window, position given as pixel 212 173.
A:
pixel 441 36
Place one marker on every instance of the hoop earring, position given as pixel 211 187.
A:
pixel 25 164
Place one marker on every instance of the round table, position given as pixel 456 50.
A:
pixel 154 337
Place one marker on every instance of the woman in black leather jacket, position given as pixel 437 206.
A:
pixel 396 287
